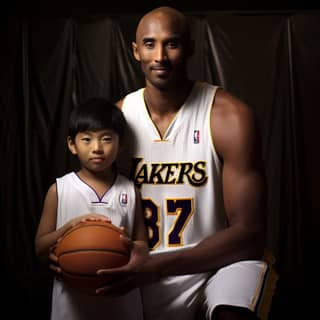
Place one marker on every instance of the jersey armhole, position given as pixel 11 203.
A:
pixel 211 138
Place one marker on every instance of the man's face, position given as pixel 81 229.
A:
pixel 160 48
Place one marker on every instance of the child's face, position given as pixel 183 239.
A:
pixel 96 150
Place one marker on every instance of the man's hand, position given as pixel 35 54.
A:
pixel 132 275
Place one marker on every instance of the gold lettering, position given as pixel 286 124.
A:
pixel 168 173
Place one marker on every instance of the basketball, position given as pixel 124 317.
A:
pixel 87 247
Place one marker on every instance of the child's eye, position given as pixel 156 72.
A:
pixel 85 139
pixel 106 139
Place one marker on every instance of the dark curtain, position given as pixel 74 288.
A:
pixel 271 61
pixel 105 66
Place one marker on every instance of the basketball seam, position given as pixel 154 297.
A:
pixel 97 250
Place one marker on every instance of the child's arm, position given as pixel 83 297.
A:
pixel 47 235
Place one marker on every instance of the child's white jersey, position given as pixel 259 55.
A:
pixel 179 174
pixel 76 198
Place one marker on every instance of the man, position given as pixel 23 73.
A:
pixel 196 158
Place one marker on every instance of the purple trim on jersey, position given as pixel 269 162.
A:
pixel 100 202
pixel 100 199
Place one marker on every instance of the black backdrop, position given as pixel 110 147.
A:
pixel 49 62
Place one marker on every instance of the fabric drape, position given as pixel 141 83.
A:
pixel 271 61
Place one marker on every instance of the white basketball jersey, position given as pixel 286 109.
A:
pixel 179 175
pixel 75 198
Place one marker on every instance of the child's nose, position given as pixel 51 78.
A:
pixel 97 146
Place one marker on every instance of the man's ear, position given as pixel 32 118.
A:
pixel 71 146
pixel 135 51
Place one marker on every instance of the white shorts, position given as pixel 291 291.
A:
pixel 69 304
pixel 249 284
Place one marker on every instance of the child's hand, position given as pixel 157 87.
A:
pixel 88 217
pixel 53 262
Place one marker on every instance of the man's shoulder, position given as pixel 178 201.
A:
pixel 226 103
pixel 233 122
pixel 129 95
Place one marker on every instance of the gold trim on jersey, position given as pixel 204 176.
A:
pixel 267 285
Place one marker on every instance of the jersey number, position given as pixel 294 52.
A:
pixel 181 208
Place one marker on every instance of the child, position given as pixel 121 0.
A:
pixel 95 192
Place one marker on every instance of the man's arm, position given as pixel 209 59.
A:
pixel 237 141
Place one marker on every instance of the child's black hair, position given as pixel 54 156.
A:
pixel 96 114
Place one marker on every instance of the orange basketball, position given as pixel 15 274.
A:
pixel 87 247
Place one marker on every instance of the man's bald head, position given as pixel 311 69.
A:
pixel 169 16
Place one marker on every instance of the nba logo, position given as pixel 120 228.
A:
pixel 196 136
pixel 123 198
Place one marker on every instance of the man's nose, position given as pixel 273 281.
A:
pixel 161 54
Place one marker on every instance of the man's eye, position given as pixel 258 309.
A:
pixel 149 44
pixel 173 44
